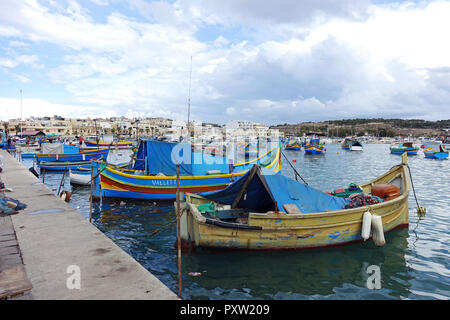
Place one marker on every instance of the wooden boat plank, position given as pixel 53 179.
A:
pixel 13 281
pixel 302 231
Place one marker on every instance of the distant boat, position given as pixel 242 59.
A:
pixel 63 165
pixel 295 145
pixel 315 146
pixel 438 153
pixel 55 152
pixel 250 151
pixel 356 146
pixel 81 175
pixel 92 144
pixel 28 152
pixel 351 144
pixel 402 147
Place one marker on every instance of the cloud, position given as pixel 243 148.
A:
pixel 40 108
pixel 270 61
pixel 22 59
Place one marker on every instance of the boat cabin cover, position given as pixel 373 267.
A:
pixel 160 157
pixel 261 190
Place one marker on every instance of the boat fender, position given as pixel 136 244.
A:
pixel 65 195
pixel 33 171
pixel 366 225
pixel 377 231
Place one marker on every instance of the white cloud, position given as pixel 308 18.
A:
pixel 22 59
pixel 282 62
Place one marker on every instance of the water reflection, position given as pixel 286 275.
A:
pixel 302 274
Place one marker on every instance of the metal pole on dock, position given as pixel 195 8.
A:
pixel 62 181
pixel 90 199
pixel 178 231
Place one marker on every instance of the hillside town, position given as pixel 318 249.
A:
pixel 57 126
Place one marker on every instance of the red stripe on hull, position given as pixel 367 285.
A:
pixel 159 190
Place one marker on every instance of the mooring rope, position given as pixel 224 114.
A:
pixel 295 171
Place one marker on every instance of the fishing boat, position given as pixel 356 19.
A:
pixel 154 176
pixel 55 152
pixel 119 158
pixel 250 151
pixel 403 147
pixel 356 146
pixel 100 144
pixel 315 146
pixel 272 212
pixel 437 152
pixel 80 176
pixel 345 144
pixel 294 145
pixel 351 144
pixel 63 165
pixel 28 152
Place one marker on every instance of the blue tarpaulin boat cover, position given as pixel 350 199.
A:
pixel 267 190
pixel 162 157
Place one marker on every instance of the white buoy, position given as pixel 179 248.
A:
pixel 377 231
pixel 367 221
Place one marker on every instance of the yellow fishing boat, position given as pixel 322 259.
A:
pixel 296 218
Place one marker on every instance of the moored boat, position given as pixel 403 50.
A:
pixel 279 213
pixel 437 152
pixel 351 144
pixel 403 147
pixel 153 175
pixel 63 165
pixel 58 153
pixel 295 145
pixel 315 146
pixel 100 144
pixel 80 176
pixel 356 146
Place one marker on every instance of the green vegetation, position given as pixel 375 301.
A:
pixel 399 123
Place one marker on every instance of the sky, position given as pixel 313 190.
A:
pixel 271 61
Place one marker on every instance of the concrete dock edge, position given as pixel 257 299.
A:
pixel 54 245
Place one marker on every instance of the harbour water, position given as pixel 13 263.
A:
pixel 413 263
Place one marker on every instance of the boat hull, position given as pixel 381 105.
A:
pixel 61 166
pixel 118 184
pixel 313 149
pixel 281 231
pixel 400 151
pixel 81 178
pixel 81 156
pixel 437 155
pixel 356 148
pixel 295 238
pixel 90 144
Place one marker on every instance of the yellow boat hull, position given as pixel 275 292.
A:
pixel 281 231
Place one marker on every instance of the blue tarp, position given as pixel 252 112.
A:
pixel 282 190
pixel 71 149
pixel 162 157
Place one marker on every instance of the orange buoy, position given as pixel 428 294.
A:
pixel 294 160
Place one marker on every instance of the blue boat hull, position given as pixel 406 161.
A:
pixel 72 157
pixel 28 155
pixel 437 155
pixel 409 151
pixel 52 166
